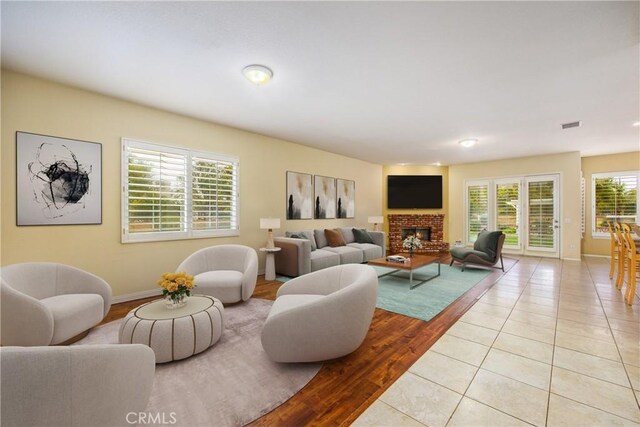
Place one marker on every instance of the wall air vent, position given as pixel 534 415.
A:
pixel 572 125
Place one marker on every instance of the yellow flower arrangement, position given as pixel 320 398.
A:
pixel 176 285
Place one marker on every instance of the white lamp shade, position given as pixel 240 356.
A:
pixel 269 223
pixel 375 220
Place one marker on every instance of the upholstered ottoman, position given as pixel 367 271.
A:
pixel 175 334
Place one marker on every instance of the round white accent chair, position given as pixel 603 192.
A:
pixel 321 315
pixel 226 272
pixel 48 304
pixel 78 385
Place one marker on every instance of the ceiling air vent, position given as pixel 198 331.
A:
pixel 572 125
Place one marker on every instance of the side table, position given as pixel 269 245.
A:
pixel 270 268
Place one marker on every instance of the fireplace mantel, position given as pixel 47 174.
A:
pixel 397 222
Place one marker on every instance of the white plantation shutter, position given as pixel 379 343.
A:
pixel 541 214
pixel 508 212
pixel 615 199
pixel 171 193
pixel 214 194
pixel 478 209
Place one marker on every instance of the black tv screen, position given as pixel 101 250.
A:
pixel 414 192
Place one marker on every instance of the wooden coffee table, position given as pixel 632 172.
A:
pixel 415 262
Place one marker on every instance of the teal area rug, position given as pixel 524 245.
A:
pixel 430 298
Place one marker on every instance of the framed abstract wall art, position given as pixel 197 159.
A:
pixel 299 196
pixel 58 180
pixel 345 198
pixel 324 204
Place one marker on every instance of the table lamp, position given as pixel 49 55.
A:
pixel 269 224
pixel 375 220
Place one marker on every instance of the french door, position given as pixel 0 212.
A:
pixel 524 208
pixel 543 224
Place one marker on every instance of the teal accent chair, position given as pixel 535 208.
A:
pixel 486 252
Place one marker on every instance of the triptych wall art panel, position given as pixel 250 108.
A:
pixel 299 196
pixel 322 197
pixel 325 197
pixel 58 180
pixel 346 198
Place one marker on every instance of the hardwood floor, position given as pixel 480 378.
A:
pixel 345 387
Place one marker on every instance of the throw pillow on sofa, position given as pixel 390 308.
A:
pixel 303 235
pixel 334 238
pixel 362 236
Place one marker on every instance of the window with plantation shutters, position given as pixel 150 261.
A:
pixel 477 209
pixel 171 193
pixel 614 199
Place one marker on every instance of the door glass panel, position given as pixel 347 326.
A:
pixel 508 212
pixel 541 215
pixel 478 196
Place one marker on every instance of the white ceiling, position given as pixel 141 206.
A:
pixel 386 82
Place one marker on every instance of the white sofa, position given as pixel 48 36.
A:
pixel 321 315
pixel 226 272
pixel 84 385
pixel 46 304
pixel 301 256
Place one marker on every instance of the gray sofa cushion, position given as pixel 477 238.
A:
pixel 323 258
pixel 369 250
pixel 307 235
pixel 348 254
pixel 321 240
pixel 347 233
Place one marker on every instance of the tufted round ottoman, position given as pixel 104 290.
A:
pixel 175 334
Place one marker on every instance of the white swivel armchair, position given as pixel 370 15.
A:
pixel 48 304
pixel 321 315
pixel 226 272
pixel 83 385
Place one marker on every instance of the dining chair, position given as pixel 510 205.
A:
pixel 632 263
pixel 622 255
pixel 614 251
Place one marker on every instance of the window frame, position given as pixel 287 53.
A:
pixel 605 235
pixel 188 232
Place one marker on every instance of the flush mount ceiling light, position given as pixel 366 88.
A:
pixel 257 74
pixel 636 124
pixel 468 143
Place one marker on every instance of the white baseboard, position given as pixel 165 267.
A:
pixel 597 256
pixel 571 259
pixel 136 295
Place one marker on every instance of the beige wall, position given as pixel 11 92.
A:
pixel 566 164
pixel 599 164
pixel 417 170
pixel 39 106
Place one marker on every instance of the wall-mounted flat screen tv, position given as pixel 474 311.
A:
pixel 414 192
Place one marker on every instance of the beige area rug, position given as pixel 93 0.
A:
pixel 230 384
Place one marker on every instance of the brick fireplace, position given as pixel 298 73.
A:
pixel 430 229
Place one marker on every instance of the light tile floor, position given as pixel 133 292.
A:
pixel 551 343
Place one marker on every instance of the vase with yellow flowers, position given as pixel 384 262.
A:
pixel 176 288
